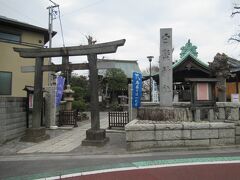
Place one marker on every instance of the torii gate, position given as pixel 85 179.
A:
pixel 94 135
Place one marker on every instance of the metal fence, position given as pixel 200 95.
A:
pixel 118 119
pixel 68 118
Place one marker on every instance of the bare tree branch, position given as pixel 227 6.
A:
pixel 236 7
pixel 233 13
pixel 234 39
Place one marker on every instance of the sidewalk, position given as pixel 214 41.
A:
pixel 64 141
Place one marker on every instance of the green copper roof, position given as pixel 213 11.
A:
pixel 188 48
pixel 185 57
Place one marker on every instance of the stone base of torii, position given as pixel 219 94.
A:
pixel 35 135
pixel 94 136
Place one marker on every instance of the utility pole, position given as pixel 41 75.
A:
pixel 51 16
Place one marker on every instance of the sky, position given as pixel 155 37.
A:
pixel 207 23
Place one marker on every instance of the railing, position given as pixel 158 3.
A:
pixel 118 119
pixel 184 95
pixel 67 118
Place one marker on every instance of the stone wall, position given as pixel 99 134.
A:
pixel 227 111
pixel 12 117
pixel 152 111
pixel 223 111
pixel 142 134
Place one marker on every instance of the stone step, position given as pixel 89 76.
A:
pixel 66 127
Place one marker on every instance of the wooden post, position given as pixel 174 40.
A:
pixel 237 80
pixel 38 94
pixel 222 97
pixel 93 78
pixel 130 102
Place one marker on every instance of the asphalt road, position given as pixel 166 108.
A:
pixel 43 165
pixel 193 172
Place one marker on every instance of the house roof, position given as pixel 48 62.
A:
pixel 128 66
pixel 185 57
pixel 234 64
pixel 25 26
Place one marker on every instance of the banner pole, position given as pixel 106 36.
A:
pixel 130 101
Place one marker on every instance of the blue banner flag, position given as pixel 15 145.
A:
pixel 136 90
pixel 60 88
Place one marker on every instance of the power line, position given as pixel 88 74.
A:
pixel 59 15
pixel 85 7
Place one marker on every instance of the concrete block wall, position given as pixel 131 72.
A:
pixel 141 134
pixel 12 117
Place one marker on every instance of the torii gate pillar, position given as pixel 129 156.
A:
pixel 94 136
pixel 37 133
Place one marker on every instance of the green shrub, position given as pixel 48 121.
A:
pixel 116 107
pixel 79 105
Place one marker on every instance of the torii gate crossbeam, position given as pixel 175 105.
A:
pixel 101 48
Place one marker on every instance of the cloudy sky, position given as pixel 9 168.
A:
pixel 206 22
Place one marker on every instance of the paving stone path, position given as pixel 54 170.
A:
pixel 67 141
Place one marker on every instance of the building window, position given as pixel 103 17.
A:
pixel 5 83
pixel 15 38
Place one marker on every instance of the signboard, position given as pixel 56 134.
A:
pixel 154 92
pixel 30 101
pixel 202 91
pixel 60 88
pixel 136 89
pixel 235 98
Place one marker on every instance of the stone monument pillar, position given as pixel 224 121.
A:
pixel 166 111
pixel 50 103
pixel 165 68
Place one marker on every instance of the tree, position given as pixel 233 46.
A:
pixel 146 83
pixel 154 69
pixel 235 37
pixel 79 80
pixel 116 80
pixel 80 86
pixel 221 70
